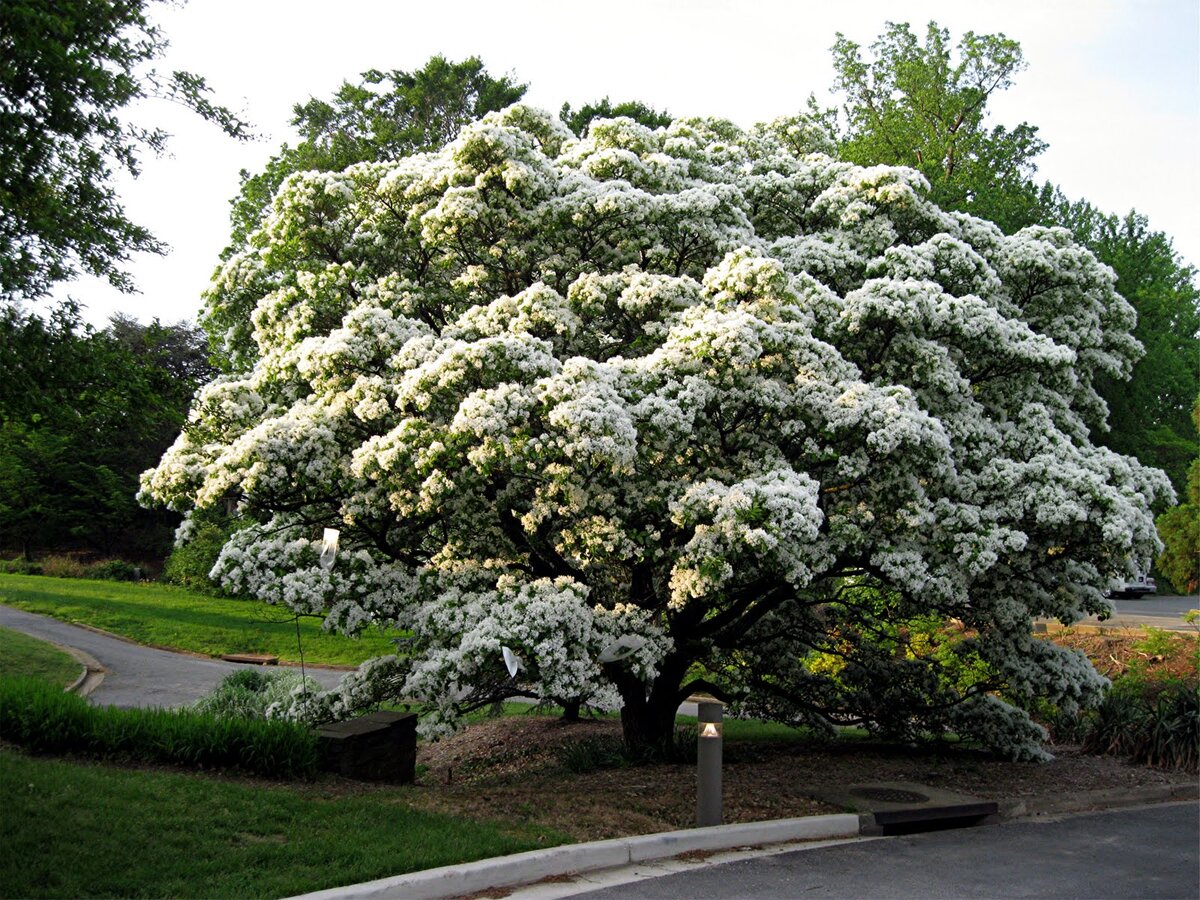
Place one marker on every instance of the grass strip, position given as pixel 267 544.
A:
pixel 168 616
pixel 22 655
pixel 42 718
pixel 74 829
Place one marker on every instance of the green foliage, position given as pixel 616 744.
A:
pixel 25 656
pixel 193 558
pixel 386 116
pixel 246 693
pixel 82 414
pixel 44 719
pixel 166 616
pixel 1179 529
pixel 1157 728
pixel 610 752
pixel 169 834
pixel 579 120
pixel 1151 414
pixel 925 106
pixel 71 67
pixel 593 754
pixel 19 566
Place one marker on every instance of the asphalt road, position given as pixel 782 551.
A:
pixel 1159 610
pixel 137 675
pixel 1149 852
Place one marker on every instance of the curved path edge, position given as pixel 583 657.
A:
pixel 525 869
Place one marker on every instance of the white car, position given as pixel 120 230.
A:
pixel 1140 586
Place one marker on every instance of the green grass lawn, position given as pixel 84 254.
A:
pixel 21 654
pixel 167 616
pixel 73 829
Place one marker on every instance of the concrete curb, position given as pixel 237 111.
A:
pixel 534 865
pixel 92 675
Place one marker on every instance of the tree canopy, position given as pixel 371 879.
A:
pixel 386 116
pixel 1180 530
pixel 82 413
pixel 1150 414
pixel 68 71
pixel 661 410
pixel 925 106
pixel 579 119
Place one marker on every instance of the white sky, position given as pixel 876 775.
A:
pixel 1113 85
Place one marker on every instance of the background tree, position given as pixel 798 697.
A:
pixel 68 70
pixel 669 410
pixel 1179 529
pixel 925 106
pixel 578 120
pixel 1150 415
pixel 82 414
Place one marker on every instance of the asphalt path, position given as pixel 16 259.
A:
pixel 136 675
pixel 1148 852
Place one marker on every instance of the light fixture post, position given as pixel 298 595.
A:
pixel 709 742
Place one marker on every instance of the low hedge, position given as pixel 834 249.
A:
pixel 44 719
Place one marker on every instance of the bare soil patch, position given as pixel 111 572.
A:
pixel 1166 656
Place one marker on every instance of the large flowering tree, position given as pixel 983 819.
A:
pixel 660 410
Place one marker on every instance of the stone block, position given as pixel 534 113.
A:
pixel 380 746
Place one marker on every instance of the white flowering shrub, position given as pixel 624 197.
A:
pixel 773 424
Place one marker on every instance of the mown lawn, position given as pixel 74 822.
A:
pixel 76 829
pixel 167 616
pixel 21 654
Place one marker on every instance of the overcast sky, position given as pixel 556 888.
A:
pixel 1113 85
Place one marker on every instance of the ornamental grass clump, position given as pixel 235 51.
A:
pixel 1155 725
pixel 620 418
pixel 254 693
pixel 43 719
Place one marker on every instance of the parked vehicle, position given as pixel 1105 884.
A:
pixel 1140 586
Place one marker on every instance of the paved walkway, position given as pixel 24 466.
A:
pixel 137 675
pixel 1134 853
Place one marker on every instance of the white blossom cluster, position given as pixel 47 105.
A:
pixel 556 392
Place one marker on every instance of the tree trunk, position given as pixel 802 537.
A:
pixel 648 716
pixel 571 710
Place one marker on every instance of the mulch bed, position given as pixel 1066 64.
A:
pixel 510 770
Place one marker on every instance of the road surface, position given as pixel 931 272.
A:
pixel 137 675
pixel 1147 852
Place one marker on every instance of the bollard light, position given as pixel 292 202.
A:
pixel 708 763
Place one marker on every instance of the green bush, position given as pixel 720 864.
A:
pixel 114 570
pixel 44 719
pixel 19 566
pixel 247 693
pixel 592 754
pixel 190 562
pixel 1155 725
